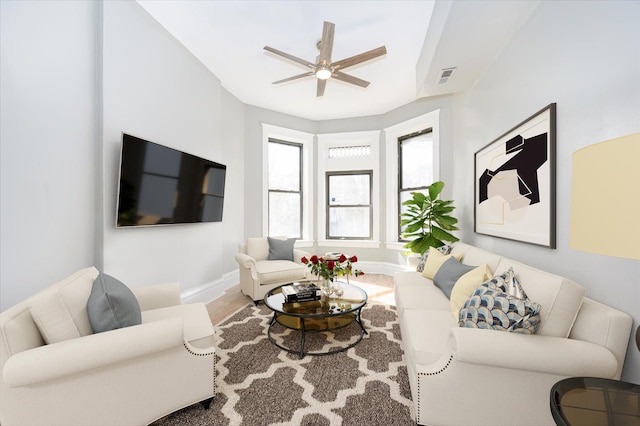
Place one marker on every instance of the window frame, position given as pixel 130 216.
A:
pixel 400 188
pixel 270 131
pixel 300 191
pixel 372 161
pixel 328 205
pixel 391 135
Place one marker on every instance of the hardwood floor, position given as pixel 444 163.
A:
pixel 379 287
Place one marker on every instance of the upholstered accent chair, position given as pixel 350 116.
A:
pixel 265 265
pixel 56 370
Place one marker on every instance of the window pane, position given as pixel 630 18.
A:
pixel 417 161
pixel 349 222
pixel 349 189
pixel 284 167
pixel 284 215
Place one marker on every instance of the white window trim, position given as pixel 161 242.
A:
pixel 306 140
pixel 392 133
pixel 372 162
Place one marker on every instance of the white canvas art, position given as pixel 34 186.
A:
pixel 515 182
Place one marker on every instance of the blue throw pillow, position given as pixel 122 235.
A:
pixel 491 308
pixel 112 305
pixel 450 271
pixel 281 249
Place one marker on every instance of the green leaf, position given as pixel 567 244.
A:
pixel 448 220
pixel 411 202
pixel 426 219
pixel 435 189
pixel 418 197
pixel 414 227
pixel 441 234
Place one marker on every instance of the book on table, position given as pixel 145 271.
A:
pixel 301 292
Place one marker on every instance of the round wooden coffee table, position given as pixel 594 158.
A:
pixel 327 314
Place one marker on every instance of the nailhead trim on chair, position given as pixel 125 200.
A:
pixel 193 353
pixel 215 390
pixel 429 374
pixel 214 364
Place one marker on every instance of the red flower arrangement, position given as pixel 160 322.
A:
pixel 330 267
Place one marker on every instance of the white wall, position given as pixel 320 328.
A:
pixel 585 57
pixel 155 89
pixel 75 75
pixel 47 143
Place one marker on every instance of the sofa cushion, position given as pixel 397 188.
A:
pixel 465 286
pixel 74 292
pixel 477 256
pixel 435 261
pixel 281 249
pixel 278 271
pixel 406 278
pixel 112 305
pixel 447 275
pixel 424 296
pixel 60 310
pixel 445 249
pixel 258 248
pixel 490 307
pixel 560 297
pixel 52 318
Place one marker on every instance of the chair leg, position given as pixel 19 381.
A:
pixel 206 403
pixel 256 302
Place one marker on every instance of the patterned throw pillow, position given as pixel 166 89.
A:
pixel 496 305
pixel 445 249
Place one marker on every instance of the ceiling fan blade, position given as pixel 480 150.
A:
pixel 321 85
pixel 326 44
pixel 295 77
pixel 349 79
pixel 290 57
pixel 362 57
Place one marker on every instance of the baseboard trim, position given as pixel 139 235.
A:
pixel 209 291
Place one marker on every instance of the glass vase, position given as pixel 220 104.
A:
pixel 325 287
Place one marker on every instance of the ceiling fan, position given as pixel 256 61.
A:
pixel 323 68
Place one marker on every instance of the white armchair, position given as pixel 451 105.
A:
pixel 259 274
pixel 127 376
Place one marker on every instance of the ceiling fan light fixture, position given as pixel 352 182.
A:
pixel 323 72
pixel 323 68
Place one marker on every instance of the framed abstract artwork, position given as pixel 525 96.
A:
pixel 515 196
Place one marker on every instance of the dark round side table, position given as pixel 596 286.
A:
pixel 585 401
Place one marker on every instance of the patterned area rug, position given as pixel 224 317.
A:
pixel 259 384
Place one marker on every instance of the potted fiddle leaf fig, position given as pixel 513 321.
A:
pixel 427 221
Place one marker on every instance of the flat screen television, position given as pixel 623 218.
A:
pixel 161 185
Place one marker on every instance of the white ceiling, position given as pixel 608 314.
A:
pixel 420 36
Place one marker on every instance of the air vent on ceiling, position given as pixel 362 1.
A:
pixel 445 74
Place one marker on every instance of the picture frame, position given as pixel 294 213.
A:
pixel 515 182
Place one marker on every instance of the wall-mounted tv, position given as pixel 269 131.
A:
pixel 161 185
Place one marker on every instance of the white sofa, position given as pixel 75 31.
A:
pixel 259 274
pixel 470 376
pixel 127 376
